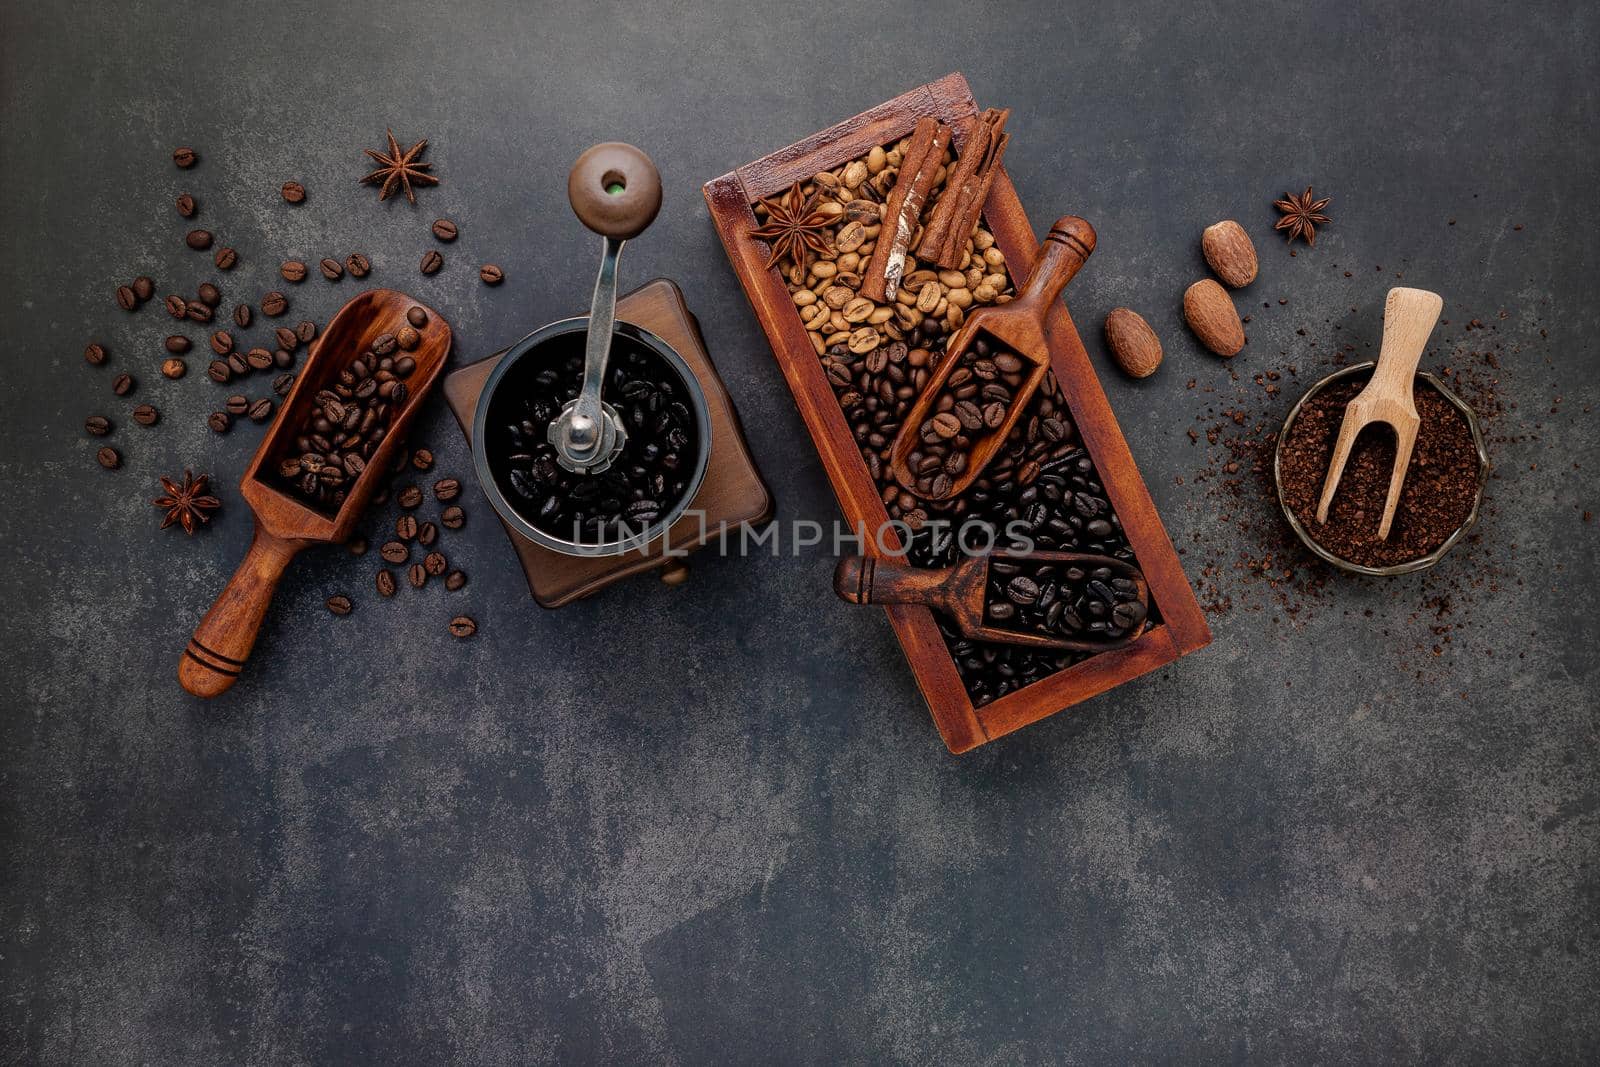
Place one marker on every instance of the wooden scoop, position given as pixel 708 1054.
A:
pixel 958 593
pixel 1408 319
pixel 285 523
pixel 1019 326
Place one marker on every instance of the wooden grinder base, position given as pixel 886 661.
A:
pixel 732 493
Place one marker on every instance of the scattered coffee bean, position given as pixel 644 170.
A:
pixel 242 316
pixel 453 517
pixel 490 274
pixel 282 384
pixel 286 338
pixel 236 363
pixel 261 410
pixel 416 316
pixel 237 404
pixel 197 312
pixel 210 295
pixel 455 580
pixel 225 258
pixel 219 421
pixel 358 265
pixel 409 497
pixel 109 458
pixel 274 304
pixel 422 459
pixel 97 425
pixel 222 342
pixel 386 583
pixel 177 344
pixel 394 552
pixel 146 415
pixel 427 534
pixel 305 331
pixel 123 384
pixel 432 262
pixel 185 157
pixel 445 230
pixel 282 358
pixel 417 575
pixel 186 206
pixel 174 368
pixel 340 605
pixel 407 337
pixel 293 270
pixel 331 269
pixel 293 192
pixel 177 306
pixel 435 564
pixel 144 287
pixel 446 489
pixel 405 528
pixel 199 240
pixel 463 627
pixel 94 354
pixel 258 358
pixel 127 300
pixel 219 371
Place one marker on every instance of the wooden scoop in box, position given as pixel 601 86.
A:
pixel 1019 326
pixel 285 523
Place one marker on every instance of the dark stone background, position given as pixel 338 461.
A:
pixel 715 822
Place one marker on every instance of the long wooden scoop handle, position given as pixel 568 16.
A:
pixel 221 643
pixel 864 580
pixel 1069 244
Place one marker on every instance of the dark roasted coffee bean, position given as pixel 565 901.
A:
pixel 236 363
pixel 416 316
pixel 446 489
pixel 146 415
pixel 286 338
pixel 174 368
pixel 431 262
pixel 305 331
pixel 489 274
pixel 293 192
pixel 222 342
pixel 210 295
pixel 185 157
pixel 386 584
pixel 404 366
pixel 422 459
pixel 463 627
pixel 417 575
pixel 123 384
pixel 225 258
pixel 219 421
pixel 1022 590
pixel 109 458
pixel 187 206
pixel 97 425
pixel 177 306
pixel 258 358
pixel 409 497
pixel 340 604
pixel 127 299
pixel 358 265
pixel 199 240
pixel 384 344
pixel 435 564
pixel 197 312
pixel 282 358
pixel 394 551
pixel 274 304
pixel 445 230
pixel 455 580
pixel 282 384
pixel 177 344
pixel 405 528
pixel 94 354
pixel 427 534
pixel 452 517
pixel 261 410
pixel 292 270
pixel 331 269
pixel 237 404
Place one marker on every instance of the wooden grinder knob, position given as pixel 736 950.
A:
pixel 615 190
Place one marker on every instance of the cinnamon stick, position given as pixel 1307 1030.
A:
pixel 951 222
pixel 923 157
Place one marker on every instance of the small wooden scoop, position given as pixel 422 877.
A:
pixel 285 524
pixel 958 593
pixel 1019 326
pixel 1408 319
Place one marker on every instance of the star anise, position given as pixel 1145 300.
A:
pixel 188 504
pixel 400 169
pixel 1301 214
pixel 794 225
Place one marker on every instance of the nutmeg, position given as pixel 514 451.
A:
pixel 1230 254
pixel 1134 345
pixel 1209 311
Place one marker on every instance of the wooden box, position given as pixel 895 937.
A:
pixel 1182 627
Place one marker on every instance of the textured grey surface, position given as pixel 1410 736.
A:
pixel 728 830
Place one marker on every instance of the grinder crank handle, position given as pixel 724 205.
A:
pixel 216 654
pixel 615 190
